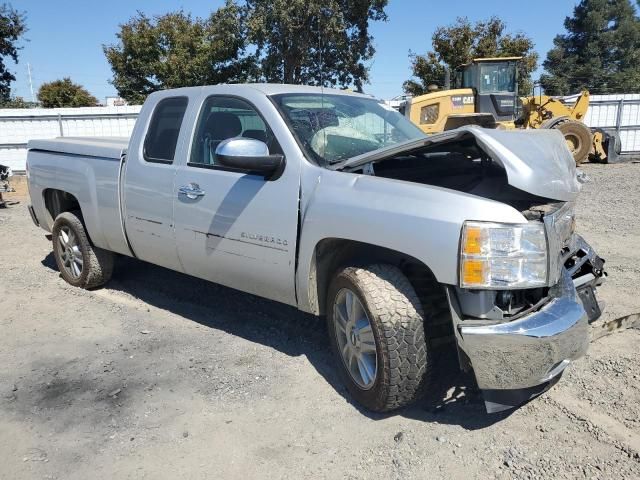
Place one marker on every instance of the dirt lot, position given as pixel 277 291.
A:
pixel 163 376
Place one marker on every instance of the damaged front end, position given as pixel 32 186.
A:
pixel 519 326
pixel 519 342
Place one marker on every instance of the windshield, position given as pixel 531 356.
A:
pixel 334 128
pixel 497 77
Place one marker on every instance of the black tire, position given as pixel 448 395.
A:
pixel 578 137
pixel 403 368
pixel 97 264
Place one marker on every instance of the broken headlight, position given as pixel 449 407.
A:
pixel 503 256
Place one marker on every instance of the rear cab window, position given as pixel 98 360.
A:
pixel 162 137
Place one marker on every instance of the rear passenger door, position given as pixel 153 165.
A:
pixel 239 229
pixel 149 180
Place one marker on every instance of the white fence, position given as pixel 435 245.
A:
pixel 18 126
pixel 616 113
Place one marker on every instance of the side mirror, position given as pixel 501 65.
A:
pixel 248 154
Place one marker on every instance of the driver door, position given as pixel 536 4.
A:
pixel 234 227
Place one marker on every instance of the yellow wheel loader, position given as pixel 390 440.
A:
pixel 486 94
pixel 542 111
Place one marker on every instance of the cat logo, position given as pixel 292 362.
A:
pixel 460 101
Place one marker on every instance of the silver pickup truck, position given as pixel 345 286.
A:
pixel 336 204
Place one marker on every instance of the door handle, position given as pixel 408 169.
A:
pixel 191 191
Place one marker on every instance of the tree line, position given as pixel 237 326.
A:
pixel 308 42
pixel 328 42
pixel 600 51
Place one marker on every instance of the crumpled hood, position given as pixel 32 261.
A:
pixel 535 161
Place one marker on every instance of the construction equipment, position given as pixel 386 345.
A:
pixel 542 111
pixel 486 94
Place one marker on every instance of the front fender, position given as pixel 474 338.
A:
pixel 418 220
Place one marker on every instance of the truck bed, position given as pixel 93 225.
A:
pixel 102 147
pixel 88 169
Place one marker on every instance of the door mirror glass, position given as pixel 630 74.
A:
pixel 248 154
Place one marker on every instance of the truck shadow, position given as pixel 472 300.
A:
pixel 454 399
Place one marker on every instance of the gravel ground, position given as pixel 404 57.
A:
pixel 160 375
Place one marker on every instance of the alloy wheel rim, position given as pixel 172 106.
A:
pixel 356 342
pixel 70 253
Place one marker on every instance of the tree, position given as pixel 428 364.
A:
pixel 17 102
pixel 176 50
pixel 65 93
pixel 314 42
pixel 599 52
pixel 294 41
pixel 12 27
pixel 463 41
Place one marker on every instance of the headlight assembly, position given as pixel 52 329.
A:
pixel 503 256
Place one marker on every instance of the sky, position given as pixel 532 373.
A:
pixel 65 37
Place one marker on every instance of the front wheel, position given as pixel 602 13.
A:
pixel 376 330
pixel 80 263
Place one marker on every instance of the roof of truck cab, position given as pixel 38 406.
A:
pixel 266 89
pixel 278 88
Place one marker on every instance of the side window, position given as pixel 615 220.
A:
pixel 162 136
pixel 429 114
pixel 227 117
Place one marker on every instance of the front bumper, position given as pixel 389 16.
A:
pixel 518 360
pixel 528 352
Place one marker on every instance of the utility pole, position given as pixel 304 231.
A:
pixel 33 98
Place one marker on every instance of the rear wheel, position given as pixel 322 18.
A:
pixel 578 138
pixel 376 330
pixel 80 263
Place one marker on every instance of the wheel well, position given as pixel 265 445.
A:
pixel 333 253
pixel 58 201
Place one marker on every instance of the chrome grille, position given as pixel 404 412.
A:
pixel 560 226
